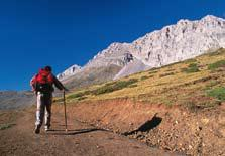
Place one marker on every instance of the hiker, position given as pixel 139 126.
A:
pixel 42 84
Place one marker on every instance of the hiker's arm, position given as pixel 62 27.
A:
pixel 59 85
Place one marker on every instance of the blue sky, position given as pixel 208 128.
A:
pixel 60 33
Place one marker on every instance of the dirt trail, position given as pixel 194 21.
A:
pixel 81 139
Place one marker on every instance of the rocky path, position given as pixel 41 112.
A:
pixel 80 140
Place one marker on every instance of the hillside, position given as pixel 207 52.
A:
pixel 178 107
pixel 183 83
pixel 16 100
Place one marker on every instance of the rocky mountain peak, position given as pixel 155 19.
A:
pixel 69 72
pixel 113 54
pixel 212 21
pixel 177 42
pixel 210 18
pixel 173 43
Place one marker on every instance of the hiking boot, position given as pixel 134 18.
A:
pixel 37 130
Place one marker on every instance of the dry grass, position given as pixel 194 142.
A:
pixel 169 84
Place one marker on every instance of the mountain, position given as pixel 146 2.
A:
pixel 174 43
pixel 197 82
pixel 171 103
pixel 178 42
pixel 103 67
pixel 69 72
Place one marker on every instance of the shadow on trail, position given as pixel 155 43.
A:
pixel 147 126
pixel 72 132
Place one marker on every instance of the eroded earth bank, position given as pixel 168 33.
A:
pixel 193 131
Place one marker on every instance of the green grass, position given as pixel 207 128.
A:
pixel 193 67
pixel 217 64
pixel 108 88
pixel 6 126
pixel 77 95
pixel 218 93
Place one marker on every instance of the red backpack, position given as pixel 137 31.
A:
pixel 44 77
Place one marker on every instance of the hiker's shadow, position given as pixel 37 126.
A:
pixel 147 126
pixel 72 132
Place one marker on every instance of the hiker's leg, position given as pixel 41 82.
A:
pixel 40 109
pixel 48 103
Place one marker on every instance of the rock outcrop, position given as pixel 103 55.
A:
pixel 130 68
pixel 178 42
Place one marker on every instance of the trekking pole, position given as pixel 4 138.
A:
pixel 64 97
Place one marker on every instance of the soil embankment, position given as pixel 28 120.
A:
pixel 192 131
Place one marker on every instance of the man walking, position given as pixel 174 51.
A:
pixel 42 84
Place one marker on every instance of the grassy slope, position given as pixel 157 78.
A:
pixel 191 82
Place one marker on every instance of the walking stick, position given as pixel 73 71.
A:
pixel 64 98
